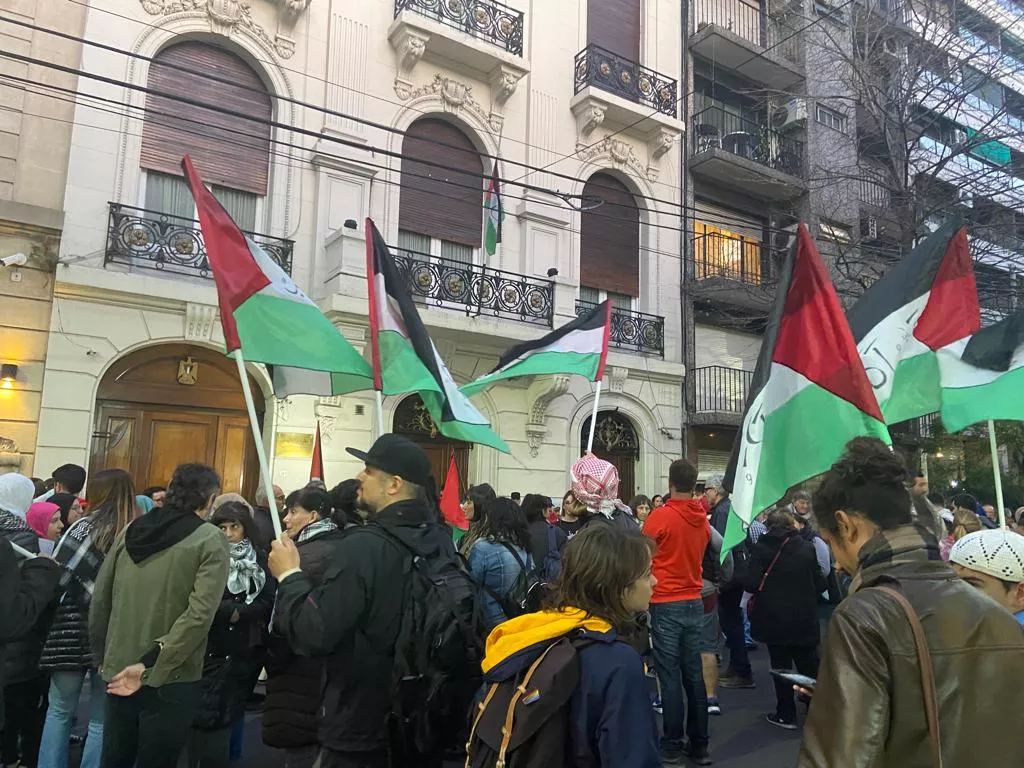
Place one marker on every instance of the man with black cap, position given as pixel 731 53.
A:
pixel 353 617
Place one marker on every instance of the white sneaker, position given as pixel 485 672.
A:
pixel 714 708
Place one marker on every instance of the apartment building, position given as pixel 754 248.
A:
pixel 304 118
pixel 35 132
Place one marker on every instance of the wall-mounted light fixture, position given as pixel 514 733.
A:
pixel 8 375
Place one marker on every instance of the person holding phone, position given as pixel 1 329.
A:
pixel 907 613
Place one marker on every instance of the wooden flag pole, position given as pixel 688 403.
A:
pixel 261 453
pixel 995 473
pixel 593 418
pixel 380 411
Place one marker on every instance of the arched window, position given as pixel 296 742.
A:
pixel 441 207
pixel 230 151
pixel 615 26
pixel 616 441
pixel 610 243
pixel 414 422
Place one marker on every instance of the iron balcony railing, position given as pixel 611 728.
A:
pixel 874 193
pixel 633 330
pixel 600 68
pixel 491 21
pixel 145 239
pixel 476 289
pixel 715 127
pixel 731 256
pixel 720 389
pixel 779 32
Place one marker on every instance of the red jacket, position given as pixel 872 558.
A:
pixel 682 533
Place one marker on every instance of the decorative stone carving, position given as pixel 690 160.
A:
pixel 620 153
pixel 227 16
pixel 589 115
pixel 409 45
pixel 503 82
pixel 200 321
pixel 454 96
pixel 328 414
pixel 284 409
pixel 617 376
pixel 541 393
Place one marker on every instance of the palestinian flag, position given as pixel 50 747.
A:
pixel 495 213
pixel 404 357
pixel 926 301
pixel 809 395
pixel 579 347
pixel 263 313
pixel 983 376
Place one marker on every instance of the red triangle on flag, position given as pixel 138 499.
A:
pixel 316 469
pixel 451 507
pixel 952 311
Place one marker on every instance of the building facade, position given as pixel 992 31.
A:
pixel 305 118
pixel 36 111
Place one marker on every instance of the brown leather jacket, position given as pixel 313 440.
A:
pixel 868 708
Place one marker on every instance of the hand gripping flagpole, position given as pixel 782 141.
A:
pixel 593 417
pixel 995 473
pixel 261 453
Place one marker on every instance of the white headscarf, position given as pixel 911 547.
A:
pixel 16 492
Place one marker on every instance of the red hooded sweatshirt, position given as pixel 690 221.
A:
pixel 682 532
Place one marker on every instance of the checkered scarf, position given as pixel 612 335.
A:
pixel 905 544
pixel 595 482
pixel 80 560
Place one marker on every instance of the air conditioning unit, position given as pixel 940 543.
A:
pixel 791 115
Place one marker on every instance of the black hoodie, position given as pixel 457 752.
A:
pixel 158 530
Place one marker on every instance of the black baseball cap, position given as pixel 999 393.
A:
pixel 397 455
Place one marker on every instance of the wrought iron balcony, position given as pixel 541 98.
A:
pixel 476 289
pixel 633 330
pixel 716 128
pixel 145 239
pixel 600 68
pixel 778 32
pixel 491 21
pixel 720 389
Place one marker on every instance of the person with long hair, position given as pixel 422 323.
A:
pixel 569 515
pixel 606 581
pixel 965 521
pixel 154 601
pixel 235 647
pixel 500 553
pixel 476 499
pixel 546 540
pixel 907 615
pixel 345 504
pixel 82 550
pixel 641 506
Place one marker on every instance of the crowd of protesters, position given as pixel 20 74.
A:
pixel 386 637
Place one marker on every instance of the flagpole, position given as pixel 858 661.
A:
pixel 995 473
pixel 261 453
pixel 21 551
pixel 380 411
pixel 593 417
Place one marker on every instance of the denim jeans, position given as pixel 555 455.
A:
pixel 65 689
pixel 676 632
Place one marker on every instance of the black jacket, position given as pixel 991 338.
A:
pixel 353 618
pixel 26 589
pixel 21 657
pixel 786 610
pixel 294 684
pixel 539 543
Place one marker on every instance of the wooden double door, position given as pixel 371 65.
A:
pixel 149 443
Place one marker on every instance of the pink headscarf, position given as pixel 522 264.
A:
pixel 595 482
pixel 39 516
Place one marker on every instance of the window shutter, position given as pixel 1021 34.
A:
pixel 610 238
pixel 230 150
pixel 437 202
pixel 615 26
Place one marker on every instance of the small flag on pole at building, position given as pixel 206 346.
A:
pixel 451 506
pixel 495 213
pixel 316 469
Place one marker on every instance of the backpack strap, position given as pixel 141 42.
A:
pixel 481 708
pixel 924 659
pixel 768 570
pixel 521 690
pixel 515 554
pixel 552 539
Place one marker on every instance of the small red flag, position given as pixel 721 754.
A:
pixel 450 506
pixel 316 469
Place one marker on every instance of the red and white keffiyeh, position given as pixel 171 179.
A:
pixel 595 482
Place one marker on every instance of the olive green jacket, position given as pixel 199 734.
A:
pixel 169 598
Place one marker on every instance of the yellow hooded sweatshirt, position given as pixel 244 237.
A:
pixel 522 632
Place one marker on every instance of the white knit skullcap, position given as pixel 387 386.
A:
pixel 994 552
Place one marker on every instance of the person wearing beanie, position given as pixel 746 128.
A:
pixel 993 562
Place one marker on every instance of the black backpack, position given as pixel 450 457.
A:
pixel 438 652
pixel 527 593
pixel 524 722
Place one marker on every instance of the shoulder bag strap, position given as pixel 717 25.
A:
pixel 924 658
pixel 510 548
pixel 768 570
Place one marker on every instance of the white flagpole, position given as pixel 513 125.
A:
pixel 21 551
pixel 261 454
pixel 995 473
pixel 380 412
pixel 593 418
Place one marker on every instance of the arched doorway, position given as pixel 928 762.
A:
pixel 615 441
pixel 172 404
pixel 412 420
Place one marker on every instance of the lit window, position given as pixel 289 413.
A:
pixel 721 253
pixel 837 233
pixel 830 118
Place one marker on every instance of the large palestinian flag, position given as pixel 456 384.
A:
pixel 579 347
pixel 404 357
pixel 926 301
pixel 983 376
pixel 809 395
pixel 263 313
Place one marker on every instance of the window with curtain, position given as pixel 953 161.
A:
pixel 240 205
pixel 170 195
pixel 595 296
